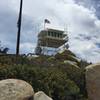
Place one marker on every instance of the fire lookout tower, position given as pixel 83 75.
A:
pixel 50 38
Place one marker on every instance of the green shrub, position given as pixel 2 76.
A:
pixel 53 81
pixel 58 79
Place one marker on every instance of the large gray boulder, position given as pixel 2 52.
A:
pixel 93 81
pixel 41 96
pixel 13 89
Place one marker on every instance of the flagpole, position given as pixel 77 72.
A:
pixel 19 28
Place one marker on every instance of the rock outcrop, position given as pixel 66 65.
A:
pixel 93 81
pixel 41 96
pixel 13 89
pixel 67 55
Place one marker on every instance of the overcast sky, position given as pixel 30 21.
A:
pixel 81 17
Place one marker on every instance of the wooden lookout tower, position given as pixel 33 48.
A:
pixel 50 38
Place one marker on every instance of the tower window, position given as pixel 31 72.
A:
pixel 49 34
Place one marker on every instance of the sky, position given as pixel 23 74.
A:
pixel 81 18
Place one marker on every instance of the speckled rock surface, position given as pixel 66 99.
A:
pixel 13 89
pixel 41 96
pixel 93 81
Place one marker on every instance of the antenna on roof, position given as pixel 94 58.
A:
pixel 66 29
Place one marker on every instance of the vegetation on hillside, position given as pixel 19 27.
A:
pixel 60 76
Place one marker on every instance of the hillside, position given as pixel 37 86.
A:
pixel 60 76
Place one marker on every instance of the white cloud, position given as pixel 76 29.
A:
pixel 79 19
pixel 26 47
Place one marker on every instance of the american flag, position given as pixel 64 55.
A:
pixel 46 21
